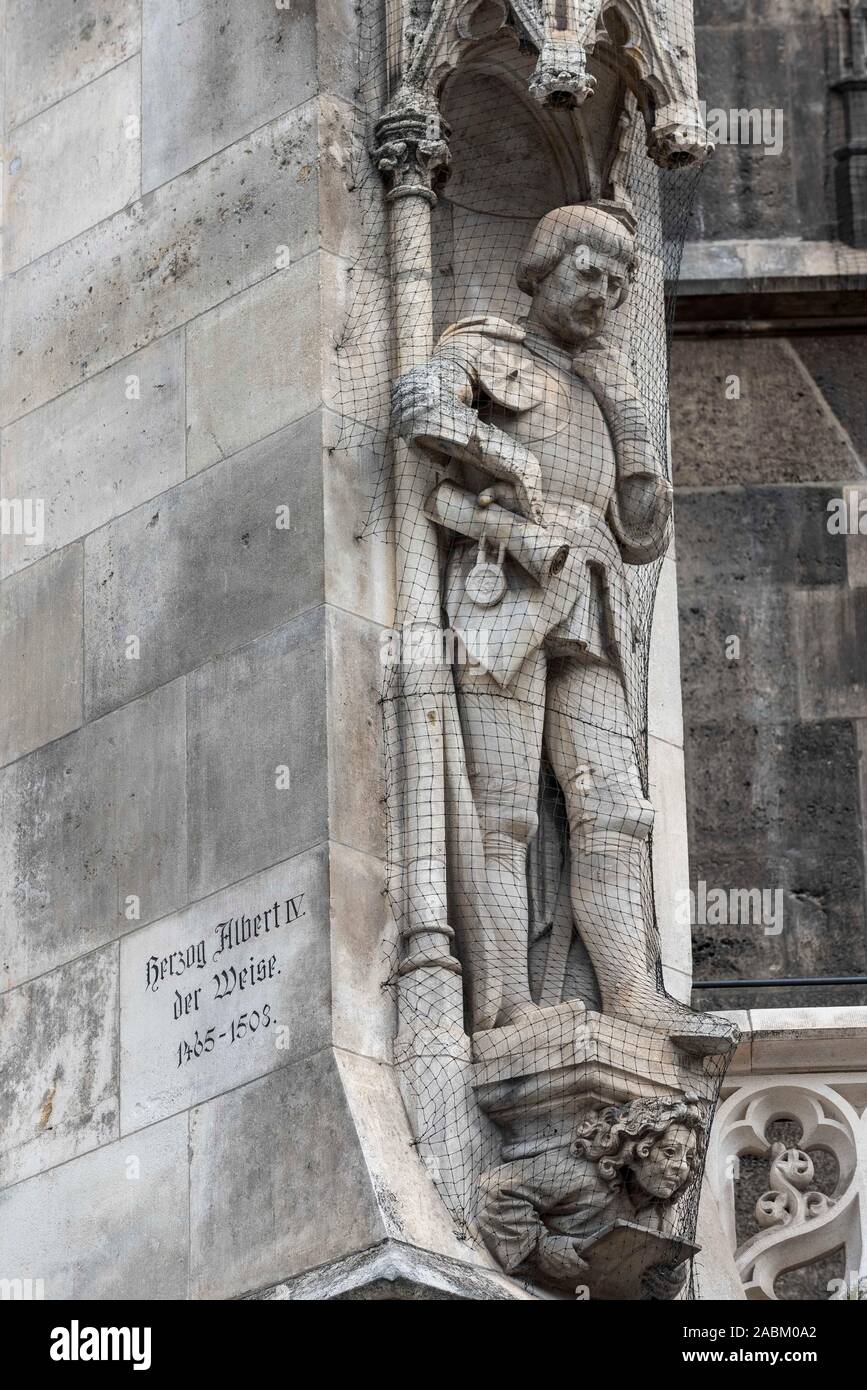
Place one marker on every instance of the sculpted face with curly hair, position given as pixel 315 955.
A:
pixel 648 1147
pixel 539 1213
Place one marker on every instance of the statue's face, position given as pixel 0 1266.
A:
pixel 669 1164
pixel 573 300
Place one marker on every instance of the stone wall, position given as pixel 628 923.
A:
pixel 190 659
pixel 774 56
pixel 769 426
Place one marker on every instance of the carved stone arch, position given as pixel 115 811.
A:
pixel 512 160
pixel 562 135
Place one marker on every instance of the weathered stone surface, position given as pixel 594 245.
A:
pixel 205 566
pixel 410 1205
pixel 779 430
pixel 395 1271
pixel 830 654
pixel 57 46
pixel 254 364
pixel 58 1070
pixel 751 536
pixel 278 1181
pixel 233 987
pixel 670 852
pixel 112 1224
pixel 855 499
pixel 364 950
pixel 99 450
pixel 664 710
pixel 356 787
pixel 834 362
pixel 765 66
pixel 678 983
pixel 72 166
pixel 40 637
pixel 86 824
pixel 737 651
pixel 263 1209
pixel 826 1039
pixel 162 261
pixel 257 771
pixel 212 72
pixel 715 1266
pixel 749 829
pixel 359 570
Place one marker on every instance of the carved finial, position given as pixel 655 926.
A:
pixel 679 137
pixel 561 77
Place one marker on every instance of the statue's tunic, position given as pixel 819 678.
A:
pixel 581 420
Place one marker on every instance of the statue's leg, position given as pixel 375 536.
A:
pixel 591 747
pixel 503 741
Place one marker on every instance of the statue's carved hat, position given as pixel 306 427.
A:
pixel 560 231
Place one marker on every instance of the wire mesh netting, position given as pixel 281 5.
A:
pixel 503 383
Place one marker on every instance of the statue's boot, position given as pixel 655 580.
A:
pixel 701 1035
pixel 607 901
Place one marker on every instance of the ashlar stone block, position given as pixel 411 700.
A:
pixel 257 767
pixel 213 71
pixel 161 261
pixel 41 640
pixel 92 836
pixel 303 1167
pixel 58 1069
pixel 72 165
pixel 112 1224
pixel 99 450
pixel 254 364
pixel 233 987
pixel 58 46
pixel 204 567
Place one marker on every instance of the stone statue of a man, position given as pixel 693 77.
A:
pixel 548 484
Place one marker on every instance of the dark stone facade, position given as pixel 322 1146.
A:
pixel 769 425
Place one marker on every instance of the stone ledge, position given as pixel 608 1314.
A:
pixel 802 1040
pixel 785 263
pixel 397 1272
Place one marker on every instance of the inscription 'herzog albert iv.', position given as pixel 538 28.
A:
pixel 236 972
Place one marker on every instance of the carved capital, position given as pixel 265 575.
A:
pixel 410 147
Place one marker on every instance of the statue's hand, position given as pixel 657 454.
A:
pixel 663 1284
pixel 429 404
pixel 518 472
pixel 557 1259
pixel 503 494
